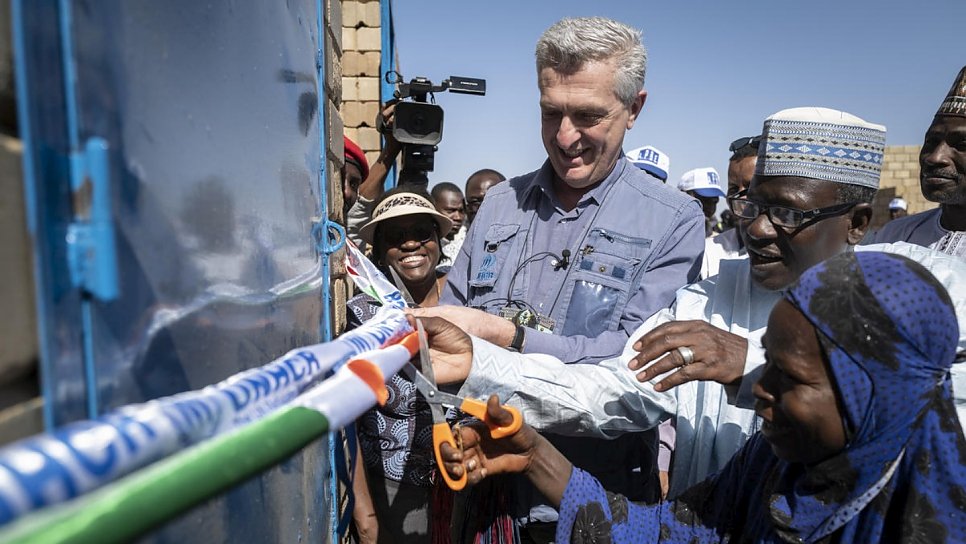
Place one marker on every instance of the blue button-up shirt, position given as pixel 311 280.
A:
pixel 632 242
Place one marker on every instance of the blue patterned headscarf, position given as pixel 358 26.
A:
pixel 890 334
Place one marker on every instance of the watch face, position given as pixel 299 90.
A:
pixel 525 318
pixel 528 318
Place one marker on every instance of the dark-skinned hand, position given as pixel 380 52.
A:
pixel 719 355
pixel 484 455
pixel 450 349
pixel 524 451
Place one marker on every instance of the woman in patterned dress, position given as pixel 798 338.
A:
pixel 392 495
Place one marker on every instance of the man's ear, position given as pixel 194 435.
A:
pixel 859 220
pixel 636 108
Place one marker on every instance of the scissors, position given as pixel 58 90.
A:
pixel 425 381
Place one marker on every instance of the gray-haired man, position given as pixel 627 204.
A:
pixel 580 252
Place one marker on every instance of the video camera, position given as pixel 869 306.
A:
pixel 418 124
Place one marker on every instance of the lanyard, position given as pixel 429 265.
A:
pixel 583 238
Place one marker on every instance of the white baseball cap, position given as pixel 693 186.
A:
pixel 704 181
pixel 652 160
pixel 898 203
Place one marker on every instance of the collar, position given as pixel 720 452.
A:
pixel 543 181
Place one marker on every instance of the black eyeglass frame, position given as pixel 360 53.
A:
pixel 743 142
pixel 805 217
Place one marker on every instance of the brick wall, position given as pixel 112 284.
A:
pixel 900 177
pixel 361 45
pixel 339 282
pixel 335 151
pixel 362 42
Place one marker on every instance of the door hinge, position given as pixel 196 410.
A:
pixel 91 250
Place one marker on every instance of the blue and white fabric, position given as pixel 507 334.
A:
pixel 822 143
pixel 890 333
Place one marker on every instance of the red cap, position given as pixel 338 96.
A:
pixel 354 153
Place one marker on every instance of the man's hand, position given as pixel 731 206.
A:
pixel 450 349
pixel 385 120
pixel 372 187
pixel 718 354
pixel 489 327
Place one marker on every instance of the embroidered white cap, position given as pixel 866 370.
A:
pixel 822 143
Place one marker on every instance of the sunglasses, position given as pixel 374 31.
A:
pixel 743 142
pixel 420 233
pixel 780 216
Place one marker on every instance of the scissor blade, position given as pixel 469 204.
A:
pixel 425 363
pixel 402 287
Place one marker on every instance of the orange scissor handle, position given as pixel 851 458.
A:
pixel 477 408
pixel 443 434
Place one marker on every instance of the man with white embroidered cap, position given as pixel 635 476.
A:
pixel 651 160
pixel 704 184
pixel 810 199
pixel 942 178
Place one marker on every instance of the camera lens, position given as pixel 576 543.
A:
pixel 418 123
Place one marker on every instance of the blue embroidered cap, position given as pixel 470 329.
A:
pixel 822 143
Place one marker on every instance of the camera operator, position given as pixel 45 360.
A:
pixel 580 252
pixel 373 185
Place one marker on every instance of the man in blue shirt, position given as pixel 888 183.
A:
pixel 588 246
pixel 576 255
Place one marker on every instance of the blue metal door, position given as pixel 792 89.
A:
pixel 172 167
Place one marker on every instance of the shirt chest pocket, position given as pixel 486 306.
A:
pixel 490 259
pixel 609 267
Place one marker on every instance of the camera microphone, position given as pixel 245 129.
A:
pixel 564 260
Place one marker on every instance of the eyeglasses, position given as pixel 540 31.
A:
pixel 473 204
pixel 742 142
pixel 419 233
pixel 780 216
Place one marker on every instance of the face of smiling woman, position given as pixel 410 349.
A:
pixel 410 245
pixel 796 398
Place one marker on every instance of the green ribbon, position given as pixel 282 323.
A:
pixel 144 500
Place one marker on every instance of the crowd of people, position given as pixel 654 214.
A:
pixel 779 375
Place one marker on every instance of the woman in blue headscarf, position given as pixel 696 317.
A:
pixel 859 443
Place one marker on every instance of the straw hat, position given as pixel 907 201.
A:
pixel 401 204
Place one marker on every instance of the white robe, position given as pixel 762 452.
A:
pixel 718 248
